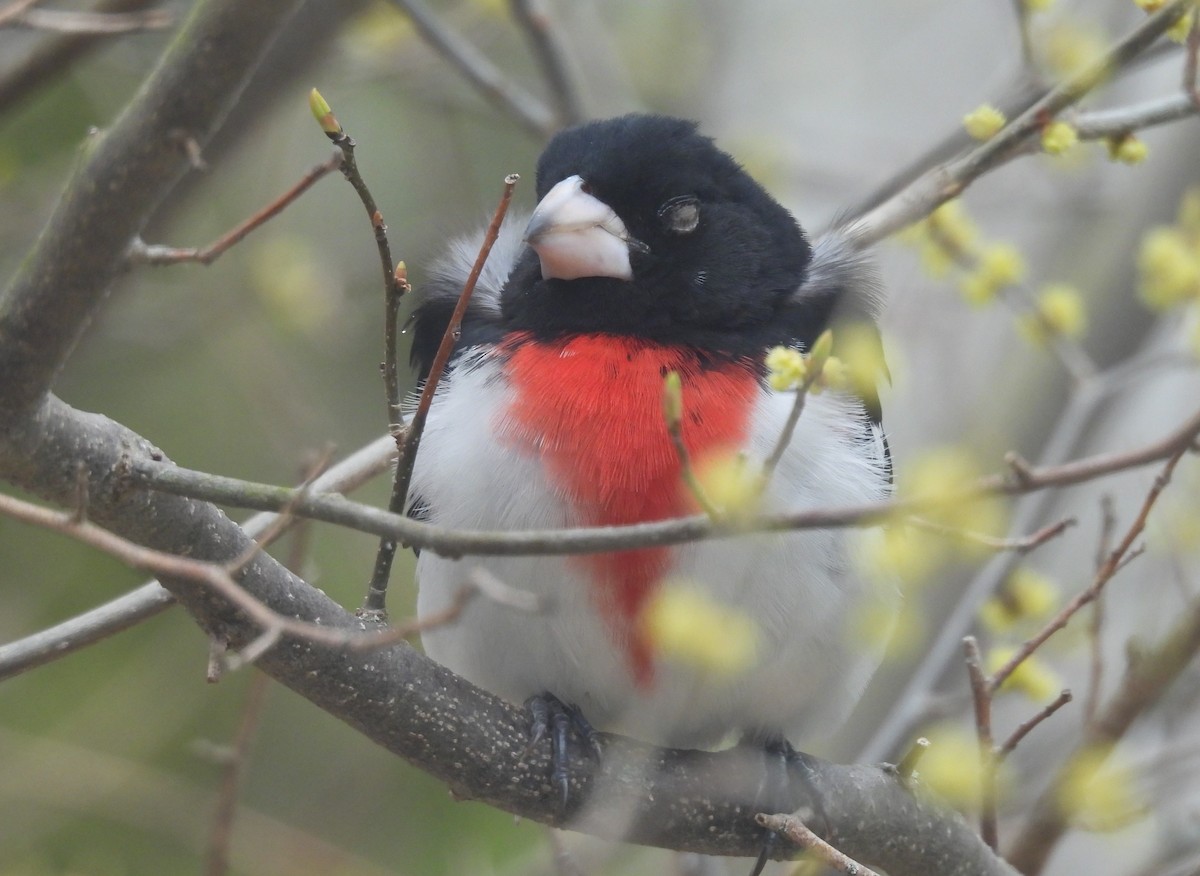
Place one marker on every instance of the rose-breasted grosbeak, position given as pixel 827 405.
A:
pixel 650 251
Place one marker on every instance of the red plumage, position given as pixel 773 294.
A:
pixel 590 407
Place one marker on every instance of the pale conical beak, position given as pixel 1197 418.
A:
pixel 577 235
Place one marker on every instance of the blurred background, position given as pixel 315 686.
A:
pixel 110 758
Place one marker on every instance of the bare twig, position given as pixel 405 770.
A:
pixel 908 764
pixel 1108 527
pixel 1021 13
pixel 1096 124
pixel 154 254
pixel 534 20
pixel 1103 575
pixel 1191 64
pixel 981 695
pixel 1142 685
pixel 799 833
pixel 789 427
pixel 14 10
pixel 673 415
pixel 395 283
pixel 487 78
pixel 1025 727
pixel 95 23
pixel 151 599
pixel 377 591
pixel 218 578
pixel 54 56
pixel 1023 545
pixel 454 543
pixel 220 833
pixel 941 654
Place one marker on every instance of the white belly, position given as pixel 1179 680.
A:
pixel 800 589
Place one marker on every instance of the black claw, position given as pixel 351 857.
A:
pixel 550 715
pixel 764 854
pixel 780 762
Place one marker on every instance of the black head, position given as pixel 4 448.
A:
pixel 645 227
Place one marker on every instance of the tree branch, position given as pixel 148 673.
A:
pixel 456 543
pixel 151 599
pixel 691 800
pixel 947 181
pixel 125 172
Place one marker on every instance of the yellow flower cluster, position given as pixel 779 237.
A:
pixel 984 122
pixel 1025 596
pixel 1071 47
pixel 1127 149
pixel 686 625
pixel 788 368
pixel 952 766
pixel 1038 5
pixel 910 553
pixel 1059 138
pixel 1182 27
pixel 1098 795
pixel 1058 312
pixel 1000 265
pixel 948 237
pixel 1169 260
pixel 731 484
pixel 1032 676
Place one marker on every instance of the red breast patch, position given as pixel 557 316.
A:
pixel 590 406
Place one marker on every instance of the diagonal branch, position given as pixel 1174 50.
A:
pixel 456 543
pixel 124 174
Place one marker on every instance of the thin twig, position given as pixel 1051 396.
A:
pixel 95 23
pixel 15 10
pixel 1098 124
pixel 151 599
pixel 487 78
pixel 1108 527
pixel 220 834
pixel 1191 64
pixel 1065 436
pixel 1021 13
pixel 1025 727
pixel 907 766
pixel 394 284
pixel 981 696
pixel 155 254
pixel 1023 545
pixel 534 20
pixel 1105 573
pixel 799 833
pixel 377 590
pixel 219 579
pixel 54 57
pixel 948 181
pixel 789 427
pixel 1143 684
pixel 673 415
pixel 454 543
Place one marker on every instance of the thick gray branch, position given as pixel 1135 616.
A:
pixel 124 172
pixel 691 800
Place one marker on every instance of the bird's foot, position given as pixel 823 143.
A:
pixel 550 716
pixel 780 761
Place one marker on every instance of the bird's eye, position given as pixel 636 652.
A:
pixel 680 215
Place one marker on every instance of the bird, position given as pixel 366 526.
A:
pixel 650 251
